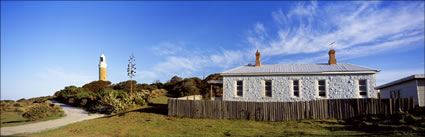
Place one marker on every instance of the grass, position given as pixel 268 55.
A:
pixel 15 119
pixel 152 121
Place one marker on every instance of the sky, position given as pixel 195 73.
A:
pixel 47 45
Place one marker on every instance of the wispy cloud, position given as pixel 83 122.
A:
pixel 305 29
pixel 167 48
pixel 357 28
pixel 65 76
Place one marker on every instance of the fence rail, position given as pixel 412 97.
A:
pixel 282 111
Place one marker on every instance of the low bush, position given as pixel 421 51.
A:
pixel 36 112
pixel 42 110
pixel 118 100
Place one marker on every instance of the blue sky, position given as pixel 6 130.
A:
pixel 48 45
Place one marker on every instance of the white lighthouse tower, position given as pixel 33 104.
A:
pixel 102 68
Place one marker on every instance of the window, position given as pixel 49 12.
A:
pixel 322 88
pixel 296 88
pixel 239 88
pixel 101 59
pixel 395 94
pixel 363 87
pixel 268 88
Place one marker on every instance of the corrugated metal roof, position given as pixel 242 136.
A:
pixel 298 68
pixel 416 76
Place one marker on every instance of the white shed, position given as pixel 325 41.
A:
pixel 411 86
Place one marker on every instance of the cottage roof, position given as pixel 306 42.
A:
pixel 417 76
pixel 299 69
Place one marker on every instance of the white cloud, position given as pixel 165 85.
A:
pixel 167 48
pixel 59 75
pixel 364 27
pixel 358 28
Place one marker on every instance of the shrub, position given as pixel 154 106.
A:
pixel 66 93
pixel 139 101
pixel 83 101
pixel 97 86
pixel 21 109
pixel 126 86
pixel 37 112
pixel 42 110
pixel 117 99
pixel 141 98
pixel 71 100
pixel 157 92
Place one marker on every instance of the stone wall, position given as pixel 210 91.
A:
pixel 337 86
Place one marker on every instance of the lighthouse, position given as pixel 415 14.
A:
pixel 102 68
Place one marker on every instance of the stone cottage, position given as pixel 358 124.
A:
pixel 298 82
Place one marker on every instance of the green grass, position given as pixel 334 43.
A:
pixel 15 119
pixel 160 100
pixel 152 121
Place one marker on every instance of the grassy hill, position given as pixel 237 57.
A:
pixel 152 121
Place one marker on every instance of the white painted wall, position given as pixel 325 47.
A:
pixel 337 86
pixel 407 89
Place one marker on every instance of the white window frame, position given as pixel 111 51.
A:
pixel 264 89
pixel 236 88
pixel 358 87
pixel 293 90
pixel 318 89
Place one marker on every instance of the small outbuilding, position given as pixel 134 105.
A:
pixel 411 86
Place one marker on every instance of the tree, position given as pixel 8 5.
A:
pixel 131 69
pixel 176 79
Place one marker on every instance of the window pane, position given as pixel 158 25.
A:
pixel 268 88
pixel 239 93
pixel 269 94
pixel 321 82
pixel 363 88
pixel 363 93
pixel 268 82
pixel 322 93
pixel 296 88
pixel 295 82
pixel 362 82
pixel 321 87
pixel 296 94
pixel 239 88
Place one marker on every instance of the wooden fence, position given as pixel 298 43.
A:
pixel 282 111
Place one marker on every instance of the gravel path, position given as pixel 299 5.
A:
pixel 73 115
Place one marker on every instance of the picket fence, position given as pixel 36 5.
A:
pixel 283 111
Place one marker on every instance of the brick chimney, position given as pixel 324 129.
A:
pixel 332 59
pixel 257 60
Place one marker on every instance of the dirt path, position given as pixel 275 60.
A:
pixel 73 115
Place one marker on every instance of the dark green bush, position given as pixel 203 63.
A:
pixel 97 86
